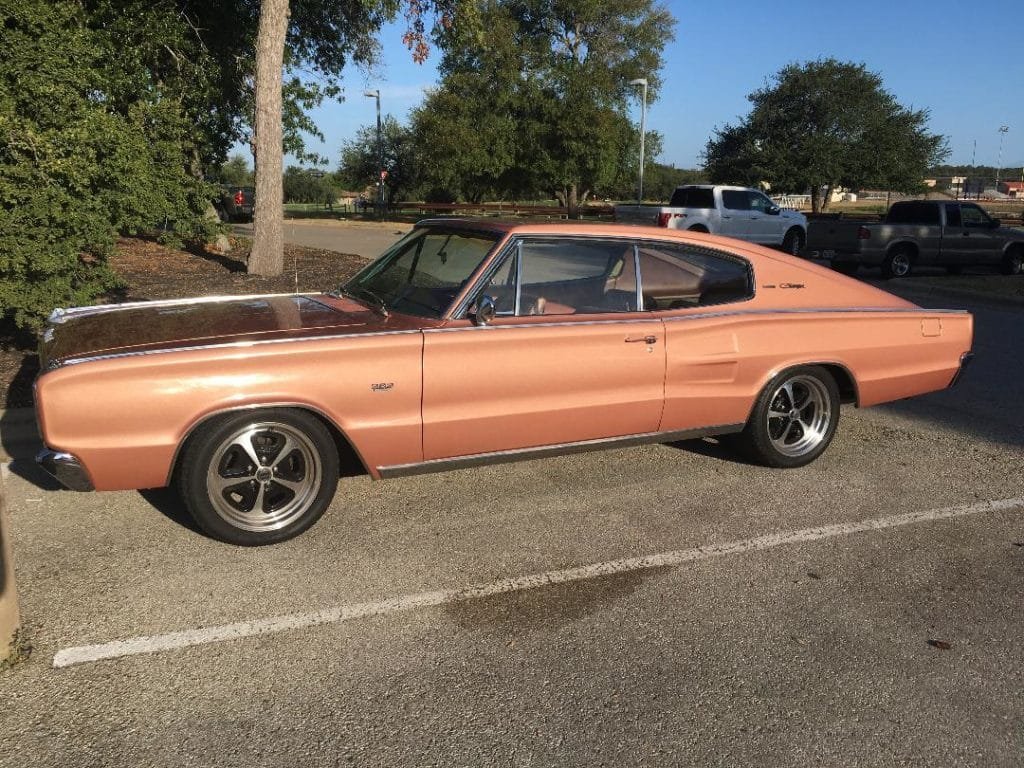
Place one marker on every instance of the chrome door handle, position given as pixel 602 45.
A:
pixel 642 339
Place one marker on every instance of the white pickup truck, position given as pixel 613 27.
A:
pixel 739 212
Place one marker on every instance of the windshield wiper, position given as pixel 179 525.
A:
pixel 376 301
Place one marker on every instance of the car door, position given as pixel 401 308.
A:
pixel 568 357
pixel 982 243
pixel 736 214
pixel 764 227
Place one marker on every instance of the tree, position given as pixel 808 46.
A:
pixel 541 102
pixel 321 35
pixel 821 125
pixel 93 144
pixel 267 255
pixel 235 172
pixel 307 185
pixel 359 162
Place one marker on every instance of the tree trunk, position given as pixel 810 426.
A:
pixel 267 257
pixel 815 198
pixel 827 197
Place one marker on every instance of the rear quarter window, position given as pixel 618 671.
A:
pixel 680 276
pixel 692 197
pixel 913 213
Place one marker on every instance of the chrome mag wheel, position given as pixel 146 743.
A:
pixel 264 476
pixel 799 416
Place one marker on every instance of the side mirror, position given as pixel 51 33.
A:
pixel 482 312
pixel 995 223
pixel 774 210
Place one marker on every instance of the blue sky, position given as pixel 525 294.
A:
pixel 962 61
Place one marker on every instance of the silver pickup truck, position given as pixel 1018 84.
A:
pixel 950 234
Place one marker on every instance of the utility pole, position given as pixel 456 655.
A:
pixel 1002 132
pixel 642 82
pixel 375 94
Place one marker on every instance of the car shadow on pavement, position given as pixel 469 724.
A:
pixel 712 447
pixel 32 473
pixel 168 503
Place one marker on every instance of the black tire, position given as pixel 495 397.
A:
pixel 1013 262
pixel 846 267
pixel 698 228
pixel 899 262
pixel 955 269
pixel 292 485
pixel 783 440
pixel 793 242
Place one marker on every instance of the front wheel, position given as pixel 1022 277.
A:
pixel 1013 262
pixel 259 477
pixel 793 242
pixel 794 418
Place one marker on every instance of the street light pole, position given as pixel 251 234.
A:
pixel 1002 132
pixel 375 94
pixel 642 82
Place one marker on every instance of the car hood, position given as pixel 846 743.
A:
pixel 159 325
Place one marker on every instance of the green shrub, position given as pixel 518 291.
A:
pixel 88 149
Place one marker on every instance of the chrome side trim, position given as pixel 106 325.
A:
pixel 561 449
pixel 229 345
pixel 61 315
pixel 653 316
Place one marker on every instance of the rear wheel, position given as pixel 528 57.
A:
pixel 793 242
pixel 955 269
pixel 1013 262
pixel 259 477
pixel 898 263
pixel 794 418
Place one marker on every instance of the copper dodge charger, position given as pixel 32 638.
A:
pixel 470 342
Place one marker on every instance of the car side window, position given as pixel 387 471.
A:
pixel 680 276
pixel 759 202
pixel 973 216
pixel 566 276
pixel 953 215
pixel 735 200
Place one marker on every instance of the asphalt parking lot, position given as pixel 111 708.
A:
pixel 663 605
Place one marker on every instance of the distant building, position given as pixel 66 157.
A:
pixel 1014 189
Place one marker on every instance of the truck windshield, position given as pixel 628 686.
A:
pixel 423 272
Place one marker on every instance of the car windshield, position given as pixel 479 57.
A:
pixel 423 272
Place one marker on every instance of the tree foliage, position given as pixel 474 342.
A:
pixel 359 161
pixel 93 144
pixel 821 125
pixel 541 101
pixel 309 185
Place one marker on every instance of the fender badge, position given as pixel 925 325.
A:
pixel 382 386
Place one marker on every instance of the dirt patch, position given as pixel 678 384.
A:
pixel 150 271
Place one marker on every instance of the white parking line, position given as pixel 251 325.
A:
pixel 175 640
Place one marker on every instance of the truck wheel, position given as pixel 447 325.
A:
pixel 794 418
pixel 898 263
pixel 955 269
pixel 793 242
pixel 1013 262
pixel 698 228
pixel 259 477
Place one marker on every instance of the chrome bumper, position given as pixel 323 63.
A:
pixel 66 468
pixel 965 360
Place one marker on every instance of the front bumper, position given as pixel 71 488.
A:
pixel 66 468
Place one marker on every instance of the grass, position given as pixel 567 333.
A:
pixel 21 650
